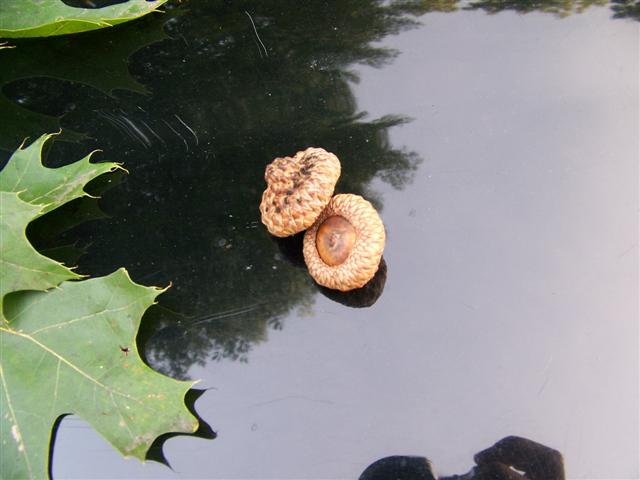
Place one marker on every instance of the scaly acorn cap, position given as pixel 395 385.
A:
pixel 298 189
pixel 325 243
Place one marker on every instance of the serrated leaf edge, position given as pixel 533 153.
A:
pixel 5 326
pixel 104 167
pixel 101 23
pixel 72 275
pixel 186 385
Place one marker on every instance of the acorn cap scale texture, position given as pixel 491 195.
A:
pixel 364 258
pixel 298 189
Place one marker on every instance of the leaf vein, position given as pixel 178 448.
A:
pixel 55 390
pixel 84 317
pixel 71 365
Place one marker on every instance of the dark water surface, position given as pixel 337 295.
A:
pixel 502 152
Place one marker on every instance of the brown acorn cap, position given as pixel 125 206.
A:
pixel 364 256
pixel 298 189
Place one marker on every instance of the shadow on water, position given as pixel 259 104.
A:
pixel 195 103
pixel 512 458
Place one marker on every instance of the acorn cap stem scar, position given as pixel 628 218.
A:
pixel 344 246
pixel 298 189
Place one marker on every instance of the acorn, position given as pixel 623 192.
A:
pixel 298 189
pixel 343 248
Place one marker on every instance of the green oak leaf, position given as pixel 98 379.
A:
pixel 28 190
pixel 44 18
pixel 50 187
pixel 73 350
pixel 21 266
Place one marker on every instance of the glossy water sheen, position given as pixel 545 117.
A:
pixel 501 151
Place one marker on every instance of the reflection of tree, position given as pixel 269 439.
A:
pixel 626 9
pixel 65 58
pixel 225 99
pixel 561 8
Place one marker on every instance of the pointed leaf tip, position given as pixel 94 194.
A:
pixel 81 335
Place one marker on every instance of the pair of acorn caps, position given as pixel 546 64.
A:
pixel 345 238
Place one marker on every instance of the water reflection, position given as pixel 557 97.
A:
pixel 223 101
pixel 626 9
pixel 28 108
pixel 45 232
pixel 196 117
pixel 562 8
pixel 64 58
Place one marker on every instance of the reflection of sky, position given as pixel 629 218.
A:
pixel 510 305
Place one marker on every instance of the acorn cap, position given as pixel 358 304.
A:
pixel 298 189
pixel 325 263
